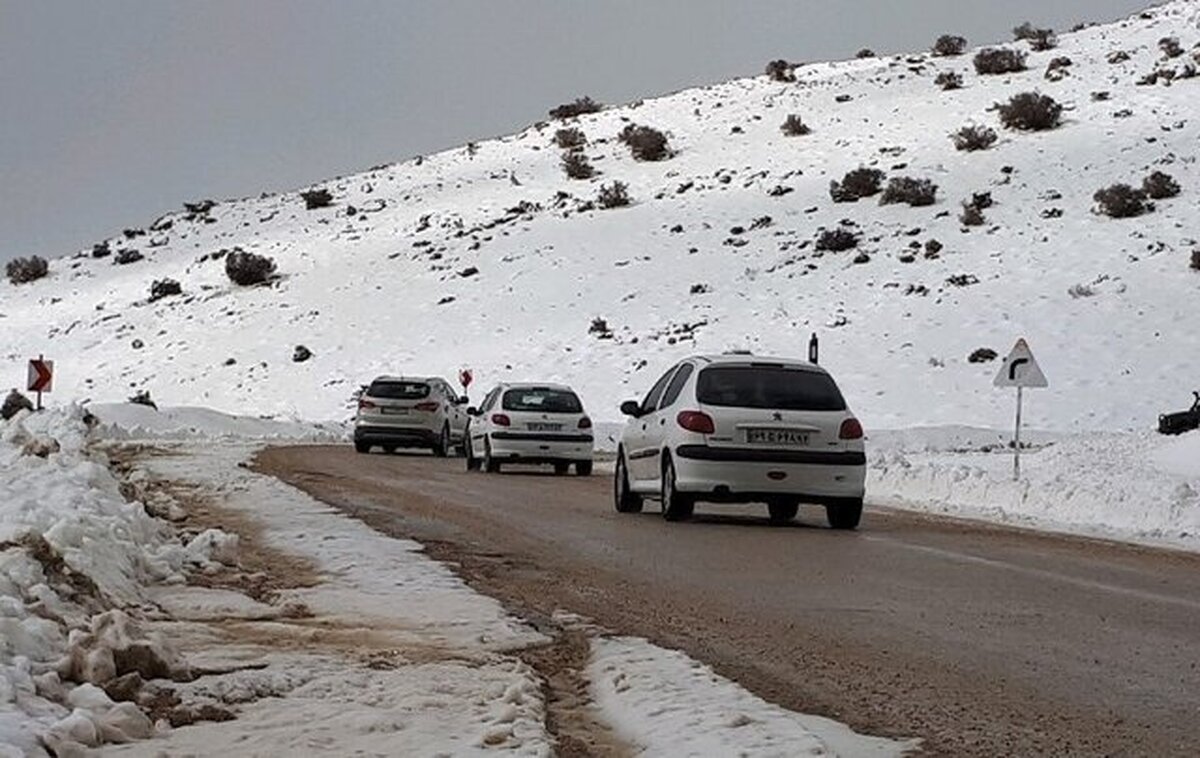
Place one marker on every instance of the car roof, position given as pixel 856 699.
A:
pixel 749 359
pixel 390 378
pixel 535 386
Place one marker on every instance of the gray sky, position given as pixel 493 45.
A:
pixel 114 112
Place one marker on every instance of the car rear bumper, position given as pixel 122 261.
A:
pixel 534 447
pixel 752 475
pixel 401 436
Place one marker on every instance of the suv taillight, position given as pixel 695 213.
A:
pixel 428 406
pixel 851 430
pixel 696 421
pixel 585 423
pixel 365 404
pixel 500 419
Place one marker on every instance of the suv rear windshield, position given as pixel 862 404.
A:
pixel 399 390
pixel 541 400
pixel 774 387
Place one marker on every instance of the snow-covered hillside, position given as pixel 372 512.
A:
pixel 432 271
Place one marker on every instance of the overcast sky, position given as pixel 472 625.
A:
pixel 114 112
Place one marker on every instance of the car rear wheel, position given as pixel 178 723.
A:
pixel 389 449
pixel 626 500
pixel 362 447
pixel 676 506
pixel 561 468
pixel 583 468
pixel 783 511
pixel 490 464
pixel 844 515
pixel 441 448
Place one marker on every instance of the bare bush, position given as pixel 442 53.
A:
pixel 950 45
pixel 1160 186
pixel 615 195
pixel 836 240
pixel 1030 111
pixel 576 166
pixel 1039 40
pixel 581 106
pixel 24 270
pixel 245 268
pixel 866 52
pixel 971 215
pixel 793 126
pixel 781 71
pixel 645 142
pixel 905 189
pixel 856 184
pixel 14 403
pixel 974 137
pixel 161 288
pixel 999 60
pixel 949 80
pixel 316 198
pixel 127 256
pixel 1122 201
pixel 1170 47
pixel 570 138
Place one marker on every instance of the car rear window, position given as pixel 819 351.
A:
pixel 774 387
pixel 542 400
pixel 399 390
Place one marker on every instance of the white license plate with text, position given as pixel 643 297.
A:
pixel 788 437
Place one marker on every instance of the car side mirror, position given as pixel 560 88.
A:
pixel 472 411
pixel 631 408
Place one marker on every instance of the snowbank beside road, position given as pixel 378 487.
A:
pixel 120 421
pixel 1133 486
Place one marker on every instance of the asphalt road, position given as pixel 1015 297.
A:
pixel 979 640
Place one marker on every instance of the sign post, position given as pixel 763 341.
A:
pixel 1020 370
pixel 41 377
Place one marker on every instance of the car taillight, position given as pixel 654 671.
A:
pixel 429 406
pixel 499 419
pixel 366 404
pixel 851 430
pixel 585 423
pixel 696 421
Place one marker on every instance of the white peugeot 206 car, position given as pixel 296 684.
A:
pixel 530 423
pixel 739 428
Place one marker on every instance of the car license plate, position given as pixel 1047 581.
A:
pixel 393 411
pixel 545 427
pixel 788 437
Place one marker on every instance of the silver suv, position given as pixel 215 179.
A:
pixel 404 411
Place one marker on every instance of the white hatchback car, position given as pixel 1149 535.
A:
pixel 398 411
pixel 530 423
pixel 739 428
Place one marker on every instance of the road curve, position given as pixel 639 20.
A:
pixel 979 640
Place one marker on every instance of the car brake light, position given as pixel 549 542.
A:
pixel 696 421
pixel 500 419
pixel 851 430
pixel 585 423
pixel 366 404
pixel 429 406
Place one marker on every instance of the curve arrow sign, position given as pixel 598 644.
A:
pixel 41 375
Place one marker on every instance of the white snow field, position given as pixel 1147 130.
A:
pixel 1107 304
pixel 385 652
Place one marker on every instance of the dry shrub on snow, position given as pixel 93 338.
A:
pixel 246 269
pixel 999 60
pixel 1122 201
pixel 906 189
pixel 1030 111
pixel 615 195
pixel 645 142
pixel 949 80
pixel 581 106
pixel 793 126
pixel 949 45
pixel 23 270
pixel 780 71
pixel 836 240
pixel 576 166
pixel 974 137
pixel 856 184
pixel 1160 186
pixel 570 138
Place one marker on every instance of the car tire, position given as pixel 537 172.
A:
pixel 783 511
pixel 490 464
pixel 469 454
pixel 560 469
pixel 844 515
pixel 676 506
pixel 441 448
pixel 362 447
pixel 625 499
pixel 389 449
pixel 583 468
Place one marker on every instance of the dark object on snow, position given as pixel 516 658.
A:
pixel 247 268
pixel 161 288
pixel 982 355
pixel 301 354
pixel 142 397
pixel 14 403
pixel 1184 421
pixel 316 198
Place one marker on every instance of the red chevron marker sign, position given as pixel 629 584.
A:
pixel 41 375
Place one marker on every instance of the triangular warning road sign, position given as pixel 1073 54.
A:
pixel 1020 369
